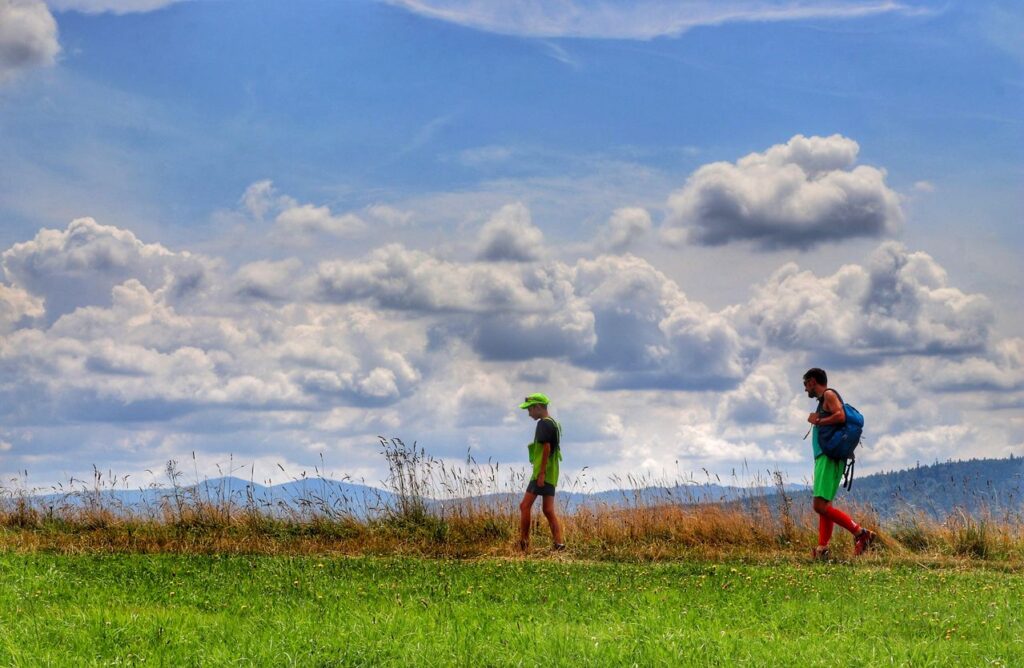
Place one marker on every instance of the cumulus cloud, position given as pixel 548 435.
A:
pixel 617 315
pixel 642 20
pixel 625 227
pixel 267 280
pixel 79 266
pixel 389 215
pixel 28 37
pixel 17 305
pixel 308 219
pixel 761 398
pixel 565 332
pixel 404 279
pixel 926 445
pixel 901 303
pixel 513 312
pixel 97 324
pixel 260 197
pixel 706 443
pixel 510 235
pixel 296 223
pixel 484 399
pixel 797 195
pixel 649 334
pixel 140 355
pixel 399 341
pixel 1000 369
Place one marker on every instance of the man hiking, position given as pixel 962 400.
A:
pixel 828 472
pixel 545 455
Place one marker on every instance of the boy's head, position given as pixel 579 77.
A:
pixel 536 405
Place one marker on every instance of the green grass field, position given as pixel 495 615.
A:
pixel 179 610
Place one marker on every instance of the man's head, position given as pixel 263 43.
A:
pixel 536 405
pixel 815 382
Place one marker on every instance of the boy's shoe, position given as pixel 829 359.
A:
pixel 559 547
pixel 863 540
pixel 820 553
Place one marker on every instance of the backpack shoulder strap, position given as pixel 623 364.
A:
pixel 829 389
pixel 558 428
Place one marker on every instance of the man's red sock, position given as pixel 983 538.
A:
pixel 842 519
pixel 825 526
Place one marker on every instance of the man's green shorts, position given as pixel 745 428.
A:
pixel 828 475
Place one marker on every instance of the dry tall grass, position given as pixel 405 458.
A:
pixel 430 508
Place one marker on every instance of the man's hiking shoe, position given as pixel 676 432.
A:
pixel 820 553
pixel 863 541
pixel 559 547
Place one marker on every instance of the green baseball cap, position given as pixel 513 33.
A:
pixel 535 399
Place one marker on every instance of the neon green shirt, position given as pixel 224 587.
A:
pixel 545 434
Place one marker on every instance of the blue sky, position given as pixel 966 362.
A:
pixel 303 224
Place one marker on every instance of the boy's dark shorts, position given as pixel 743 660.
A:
pixel 547 490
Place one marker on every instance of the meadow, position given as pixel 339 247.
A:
pixel 434 578
pixel 183 610
pixel 426 507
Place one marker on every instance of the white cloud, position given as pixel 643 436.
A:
pixel 299 224
pixel 28 37
pixel 286 356
pixel 259 198
pixel 706 443
pixel 762 398
pixel 799 195
pixel 649 334
pixel 16 305
pixel 623 229
pixel 268 280
pixel 303 220
pixel 642 20
pixel 78 266
pixel 485 398
pixel 900 304
pixel 141 355
pixel 1000 369
pixel 924 186
pixel 112 6
pixel 920 445
pixel 510 235
pixel 403 279
pixel 389 215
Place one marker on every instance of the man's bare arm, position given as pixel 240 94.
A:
pixel 837 414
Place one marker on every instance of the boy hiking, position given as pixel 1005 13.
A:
pixel 828 472
pixel 545 455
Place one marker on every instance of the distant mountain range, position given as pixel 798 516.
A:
pixel 976 486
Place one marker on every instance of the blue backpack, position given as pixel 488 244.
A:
pixel 838 441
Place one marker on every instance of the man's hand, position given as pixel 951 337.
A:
pixel 813 418
pixel 540 480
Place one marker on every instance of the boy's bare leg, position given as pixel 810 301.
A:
pixel 524 519
pixel 548 504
